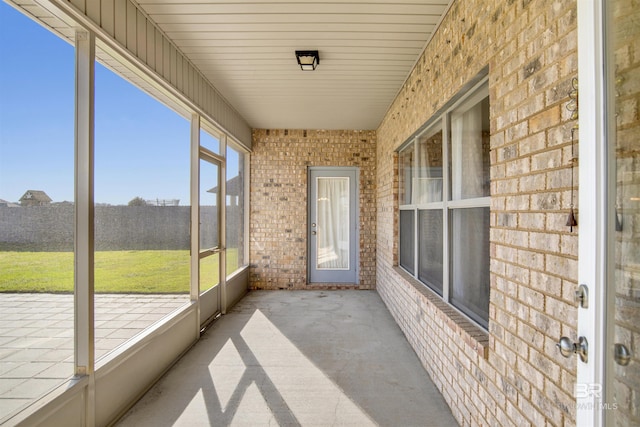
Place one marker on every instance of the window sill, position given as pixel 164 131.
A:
pixel 473 335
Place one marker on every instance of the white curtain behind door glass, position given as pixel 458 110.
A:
pixel 333 223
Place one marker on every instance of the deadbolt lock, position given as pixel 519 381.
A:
pixel 582 296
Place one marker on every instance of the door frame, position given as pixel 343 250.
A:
pixel 211 299
pixel 593 214
pixel 215 296
pixel 354 217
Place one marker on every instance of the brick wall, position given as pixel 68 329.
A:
pixel 278 217
pixel 512 374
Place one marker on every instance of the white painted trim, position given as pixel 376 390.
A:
pixel 416 222
pixel 122 380
pixel 442 120
pixel 446 199
pixel 195 211
pixel 246 207
pixel 592 196
pixel 84 343
pixel 353 215
pixel 212 296
pixel 476 202
pixel 67 397
pixel 222 225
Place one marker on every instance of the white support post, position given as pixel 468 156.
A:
pixel 195 211
pixel 84 214
pixel 223 225
pixel 245 208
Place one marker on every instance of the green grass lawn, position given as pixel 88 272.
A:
pixel 115 271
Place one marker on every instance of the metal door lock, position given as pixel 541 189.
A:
pixel 582 296
pixel 568 347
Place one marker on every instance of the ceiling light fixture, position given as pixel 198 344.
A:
pixel 308 59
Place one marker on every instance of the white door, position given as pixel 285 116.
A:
pixel 333 225
pixel 608 384
pixel 210 249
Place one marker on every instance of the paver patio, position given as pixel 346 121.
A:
pixel 36 337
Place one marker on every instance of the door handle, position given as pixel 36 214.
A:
pixel 568 347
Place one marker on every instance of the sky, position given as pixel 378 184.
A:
pixel 141 146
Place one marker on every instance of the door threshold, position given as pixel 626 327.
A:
pixel 332 286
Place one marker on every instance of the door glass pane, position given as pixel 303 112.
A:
pixel 470 262
pixel 430 262
pixel 470 151
pixel 209 141
pixel 209 271
pixel 427 186
pixel 624 39
pixel 209 196
pixel 209 225
pixel 333 223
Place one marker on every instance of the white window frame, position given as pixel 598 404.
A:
pixel 473 95
pixel 592 246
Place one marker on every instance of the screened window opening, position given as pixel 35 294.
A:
pixel 444 197
pixel 142 210
pixel 235 209
pixel 96 217
pixel 36 212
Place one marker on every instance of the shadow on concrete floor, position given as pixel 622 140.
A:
pixel 292 358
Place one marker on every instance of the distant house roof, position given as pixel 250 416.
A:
pixel 7 203
pixel 35 196
pixel 234 186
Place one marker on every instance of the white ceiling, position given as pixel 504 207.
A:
pixel 246 50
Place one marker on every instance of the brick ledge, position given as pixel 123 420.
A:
pixel 474 336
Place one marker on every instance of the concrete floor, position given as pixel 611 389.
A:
pixel 290 358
